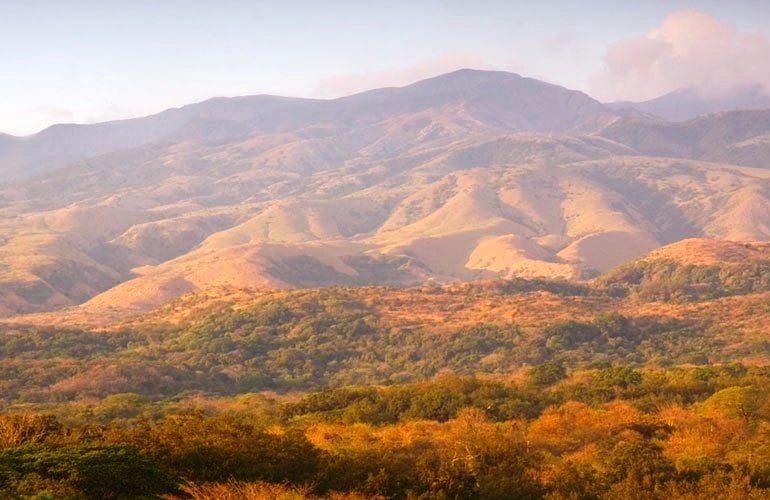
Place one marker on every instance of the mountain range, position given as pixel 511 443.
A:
pixel 469 175
pixel 686 104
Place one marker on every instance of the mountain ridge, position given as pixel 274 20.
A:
pixel 73 142
pixel 688 103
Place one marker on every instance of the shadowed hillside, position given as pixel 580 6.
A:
pixel 737 137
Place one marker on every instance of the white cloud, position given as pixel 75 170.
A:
pixel 347 84
pixel 689 49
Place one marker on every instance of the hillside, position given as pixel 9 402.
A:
pixel 667 308
pixel 468 224
pixel 694 269
pixel 470 175
pixel 372 390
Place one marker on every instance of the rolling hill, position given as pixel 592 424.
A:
pixel 696 269
pixel 228 339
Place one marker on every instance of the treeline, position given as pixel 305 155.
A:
pixel 614 432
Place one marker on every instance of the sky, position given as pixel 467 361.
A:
pixel 67 61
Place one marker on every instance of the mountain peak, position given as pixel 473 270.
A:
pixel 471 74
pixel 505 101
pixel 468 77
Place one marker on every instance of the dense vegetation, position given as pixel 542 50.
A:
pixel 614 432
pixel 323 343
pixel 668 280
pixel 390 393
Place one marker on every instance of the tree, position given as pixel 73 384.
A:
pixel 546 374
pixel 743 402
pixel 98 471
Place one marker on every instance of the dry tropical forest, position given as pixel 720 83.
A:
pixel 476 286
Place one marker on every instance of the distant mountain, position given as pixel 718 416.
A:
pixel 469 175
pixel 739 137
pixel 497 100
pixel 686 104
pixel 505 100
pixel 60 145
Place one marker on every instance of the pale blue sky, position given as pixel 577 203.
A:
pixel 84 61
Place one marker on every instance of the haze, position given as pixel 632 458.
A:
pixel 84 61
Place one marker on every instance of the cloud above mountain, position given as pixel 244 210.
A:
pixel 689 49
